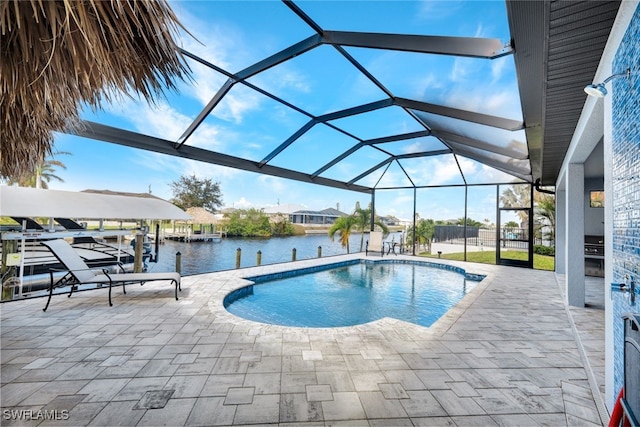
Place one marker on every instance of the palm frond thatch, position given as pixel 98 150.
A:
pixel 201 216
pixel 57 55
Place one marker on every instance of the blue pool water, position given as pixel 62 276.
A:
pixel 351 295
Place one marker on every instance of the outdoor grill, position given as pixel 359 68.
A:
pixel 594 256
pixel 594 245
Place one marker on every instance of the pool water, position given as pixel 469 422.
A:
pixel 352 295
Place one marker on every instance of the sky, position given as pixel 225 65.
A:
pixel 237 34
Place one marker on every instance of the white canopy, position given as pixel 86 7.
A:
pixel 35 202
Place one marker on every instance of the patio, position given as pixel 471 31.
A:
pixel 510 353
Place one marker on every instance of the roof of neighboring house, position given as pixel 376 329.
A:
pixel 333 212
pixel 282 209
pixel 324 212
pixel 121 193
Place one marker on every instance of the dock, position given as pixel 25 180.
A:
pixel 193 237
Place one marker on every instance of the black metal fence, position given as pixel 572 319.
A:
pixel 444 233
pixel 513 238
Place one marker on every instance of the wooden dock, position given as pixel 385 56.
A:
pixel 193 237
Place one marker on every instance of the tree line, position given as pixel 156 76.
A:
pixel 190 191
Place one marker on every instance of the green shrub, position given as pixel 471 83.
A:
pixel 544 250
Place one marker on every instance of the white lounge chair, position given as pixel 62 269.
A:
pixel 375 243
pixel 78 272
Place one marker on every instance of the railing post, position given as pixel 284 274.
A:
pixel 293 254
pixel 259 258
pixel 319 251
pixel 157 242
pixel 238 255
pixel 8 247
pixel 178 262
pixel 137 258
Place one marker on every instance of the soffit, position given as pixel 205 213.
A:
pixel 558 48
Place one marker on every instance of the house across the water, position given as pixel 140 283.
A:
pixel 324 217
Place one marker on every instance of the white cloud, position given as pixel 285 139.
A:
pixel 399 204
pixel 371 179
pixel 206 83
pixel 288 78
pixel 430 10
pixel 224 45
pixel 438 170
pixel 242 203
pixel 166 122
pixel 216 42
pixel 486 99
pixel 504 104
pixel 480 31
pixel 235 104
pixel 462 69
pixel 469 167
pixel 420 145
pixel 273 184
pixel 498 67
pixel 490 174
pixel 427 82
pixel 160 120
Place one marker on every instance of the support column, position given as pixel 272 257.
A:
pixel 413 249
pixel 574 235
pixel 561 246
pixel 466 199
pixel 373 210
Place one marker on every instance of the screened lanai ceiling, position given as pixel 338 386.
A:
pixel 369 95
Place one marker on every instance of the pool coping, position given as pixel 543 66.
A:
pixel 322 267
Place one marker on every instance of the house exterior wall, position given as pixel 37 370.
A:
pixel 312 219
pixel 625 185
pixel 593 217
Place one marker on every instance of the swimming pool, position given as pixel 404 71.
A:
pixel 353 293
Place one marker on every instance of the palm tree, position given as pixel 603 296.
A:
pixel 517 196
pixel 425 229
pixel 545 212
pixel 363 222
pixel 43 173
pixel 544 206
pixel 342 227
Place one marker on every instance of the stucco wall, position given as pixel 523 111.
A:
pixel 593 217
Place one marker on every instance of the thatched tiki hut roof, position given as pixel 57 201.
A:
pixel 201 216
pixel 56 56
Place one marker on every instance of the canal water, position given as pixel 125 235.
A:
pixel 206 257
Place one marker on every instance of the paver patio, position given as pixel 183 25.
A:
pixel 507 354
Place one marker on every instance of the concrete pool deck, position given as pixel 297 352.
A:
pixel 510 353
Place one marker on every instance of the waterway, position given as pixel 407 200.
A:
pixel 206 257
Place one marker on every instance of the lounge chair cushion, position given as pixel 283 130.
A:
pixel 81 273
pixel 375 243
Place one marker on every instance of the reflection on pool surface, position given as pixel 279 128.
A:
pixel 353 294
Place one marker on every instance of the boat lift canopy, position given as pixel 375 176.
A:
pixel 36 202
pixel 26 202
